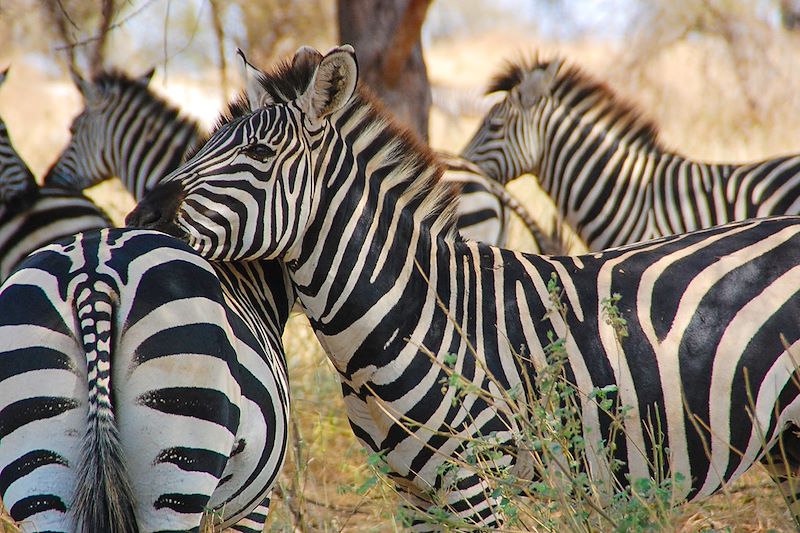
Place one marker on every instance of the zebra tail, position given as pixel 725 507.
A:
pixel 103 495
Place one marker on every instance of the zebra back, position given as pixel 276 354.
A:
pixel 50 214
pixel 125 130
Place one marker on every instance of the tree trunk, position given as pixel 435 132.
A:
pixel 386 37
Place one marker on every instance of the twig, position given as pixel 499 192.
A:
pixel 84 42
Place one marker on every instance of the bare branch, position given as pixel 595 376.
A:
pixel 219 32
pixel 72 45
pixel 97 59
pixel 59 17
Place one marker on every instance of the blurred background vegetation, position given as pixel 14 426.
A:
pixel 721 78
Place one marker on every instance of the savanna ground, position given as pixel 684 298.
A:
pixel 708 103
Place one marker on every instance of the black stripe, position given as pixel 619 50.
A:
pixel 194 460
pixel 206 339
pixel 27 507
pixel 19 413
pixel 182 503
pixel 205 404
pixel 16 362
pixel 26 464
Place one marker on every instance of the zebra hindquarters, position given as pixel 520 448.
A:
pixel 116 369
pixel 43 409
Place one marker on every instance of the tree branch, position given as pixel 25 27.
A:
pixel 97 60
pixel 219 33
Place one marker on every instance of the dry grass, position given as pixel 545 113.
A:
pixel 688 90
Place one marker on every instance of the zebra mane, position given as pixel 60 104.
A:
pixel 575 88
pixel 420 168
pixel 112 81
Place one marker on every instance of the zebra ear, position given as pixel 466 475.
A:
pixel 145 78
pixel 257 95
pixel 332 85
pixel 87 89
pixel 306 58
pixel 537 84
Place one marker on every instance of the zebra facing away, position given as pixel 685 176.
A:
pixel 136 392
pixel 126 130
pixel 306 169
pixel 606 170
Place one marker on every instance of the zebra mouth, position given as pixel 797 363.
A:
pixel 158 210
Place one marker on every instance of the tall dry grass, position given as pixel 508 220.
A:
pixel 690 90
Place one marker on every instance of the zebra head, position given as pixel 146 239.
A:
pixel 91 155
pixel 249 192
pixel 507 144
pixel 16 179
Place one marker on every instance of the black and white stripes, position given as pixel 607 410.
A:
pixel 124 130
pixel 136 386
pixel 604 167
pixel 307 170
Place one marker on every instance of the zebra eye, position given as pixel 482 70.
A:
pixel 259 152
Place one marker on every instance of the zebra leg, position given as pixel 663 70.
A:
pixel 464 503
pixel 254 522
pixel 782 462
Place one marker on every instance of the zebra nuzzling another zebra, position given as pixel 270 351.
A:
pixel 140 390
pixel 306 169
pixel 604 167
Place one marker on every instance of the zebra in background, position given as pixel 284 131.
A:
pixel 606 170
pixel 124 130
pixel 307 170
pixel 484 207
pixel 137 392
pixel 31 217
pixel 16 179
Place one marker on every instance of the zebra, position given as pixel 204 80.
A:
pixel 124 130
pixel 127 130
pixel 484 207
pixel 307 169
pixel 40 217
pixel 16 179
pixel 30 216
pixel 142 389
pixel 604 166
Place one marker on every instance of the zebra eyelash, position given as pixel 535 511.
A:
pixel 259 152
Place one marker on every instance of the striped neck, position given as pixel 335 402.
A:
pixel 127 131
pixel 147 147
pixel 381 223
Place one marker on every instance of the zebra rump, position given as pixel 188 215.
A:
pixel 119 407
